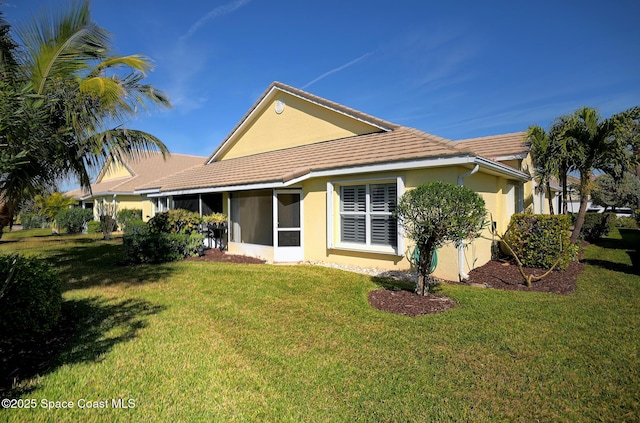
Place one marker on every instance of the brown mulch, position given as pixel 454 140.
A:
pixel 494 274
pixel 408 303
pixel 505 275
pixel 214 254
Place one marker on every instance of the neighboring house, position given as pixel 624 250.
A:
pixel 305 179
pixel 117 181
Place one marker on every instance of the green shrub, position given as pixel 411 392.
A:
pixel 176 221
pixel 74 219
pixel 124 216
pixel 30 303
pixel 597 225
pixel 625 222
pixel 539 240
pixel 161 247
pixel 215 218
pixel 32 221
pixel 636 215
pixel 93 226
pixel 136 226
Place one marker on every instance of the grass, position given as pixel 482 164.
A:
pixel 194 341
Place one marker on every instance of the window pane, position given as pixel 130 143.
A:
pixel 353 198
pixel 383 198
pixel 288 238
pixel 353 229
pixel 383 231
pixel 288 210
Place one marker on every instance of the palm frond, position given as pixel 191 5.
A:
pixel 62 45
pixel 135 62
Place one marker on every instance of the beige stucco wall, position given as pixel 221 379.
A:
pixel 267 130
pixel 121 202
pixel 476 254
pixel 115 170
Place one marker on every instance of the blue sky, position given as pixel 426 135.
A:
pixel 457 69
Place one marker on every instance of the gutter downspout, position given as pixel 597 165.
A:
pixel 461 274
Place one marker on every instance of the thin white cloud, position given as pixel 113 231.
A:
pixel 338 69
pixel 214 13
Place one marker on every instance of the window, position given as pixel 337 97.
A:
pixel 366 214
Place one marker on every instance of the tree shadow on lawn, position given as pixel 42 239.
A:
pixel 91 265
pixel 87 330
pixel 630 242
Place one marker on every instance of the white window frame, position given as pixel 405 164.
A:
pixel 334 215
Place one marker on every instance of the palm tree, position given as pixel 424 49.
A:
pixel 65 104
pixel 598 144
pixel 544 159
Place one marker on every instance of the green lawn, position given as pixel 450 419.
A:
pixel 208 342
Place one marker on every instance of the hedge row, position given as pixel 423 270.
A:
pixel 30 300
pixel 160 248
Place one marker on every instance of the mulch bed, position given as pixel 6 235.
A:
pixel 408 303
pixel 505 275
pixel 214 254
pixel 494 274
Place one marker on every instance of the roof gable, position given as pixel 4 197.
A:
pixel 114 169
pixel 130 174
pixel 286 117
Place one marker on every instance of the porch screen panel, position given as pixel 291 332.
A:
pixel 252 217
pixel 187 202
pixel 211 203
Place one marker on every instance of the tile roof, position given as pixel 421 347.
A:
pixel 498 146
pixel 145 170
pixel 401 144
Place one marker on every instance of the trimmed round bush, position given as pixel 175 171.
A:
pixel 30 304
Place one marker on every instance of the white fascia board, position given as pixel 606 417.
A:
pixel 506 170
pixel 511 157
pixel 109 193
pixel 230 188
pixel 146 191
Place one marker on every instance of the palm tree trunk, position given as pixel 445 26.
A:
pixel 565 193
pixel 549 198
pixel 6 216
pixel 638 176
pixel 584 199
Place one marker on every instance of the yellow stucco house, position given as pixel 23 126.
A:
pixel 302 178
pixel 117 182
